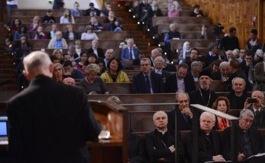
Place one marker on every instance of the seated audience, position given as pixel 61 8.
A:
pixel 172 34
pixel 195 70
pixel 173 11
pixel 96 49
pixel 184 52
pixel 49 18
pixel 236 71
pixel 69 81
pixel 58 42
pixel 109 54
pixel 96 26
pixel 92 11
pixel 256 105
pixel 247 66
pixel 75 11
pixel 21 48
pixel 8 49
pixel 196 11
pixel 209 141
pixel 92 83
pixel 70 34
pixel 69 71
pixel 222 104
pixel 81 65
pixel 52 33
pixel 147 81
pixel 89 34
pixel 159 67
pixel 249 141
pixel 105 11
pixel 238 95
pixel 173 2
pixel 39 34
pixel 57 56
pixel 67 17
pixel 23 30
pixel 114 73
pixel 259 76
pixel 223 73
pixel 130 53
pixel 110 21
pixel 181 81
pixel 35 24
pixel 258 56
pixel 57 74
pixel 78 49
pixel 184 113
pixel 203 95
pixel 160 143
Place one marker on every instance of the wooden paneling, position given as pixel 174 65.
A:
pixel 237 13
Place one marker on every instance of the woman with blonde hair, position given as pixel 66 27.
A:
pixel 57 72
pixel 92 83
pixel 67 17
pixel 222 104
pixel 89 34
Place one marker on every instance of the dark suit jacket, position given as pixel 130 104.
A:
pixel 125 54
pixel 206 150
pixel 66 35
pixel 138 83
pixel 99 50
pixel 171 85
pixel 50 122
pixel 255 138
pixel 183 124
pixel 196 98
pixel 89 11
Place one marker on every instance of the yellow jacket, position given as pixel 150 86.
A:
pixel 121 78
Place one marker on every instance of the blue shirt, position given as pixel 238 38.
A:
pixel 58 44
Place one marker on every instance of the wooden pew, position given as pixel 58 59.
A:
pixel 86 44
pixel 102 35
pixel 180 20
pixel 78 20
pixel 190 31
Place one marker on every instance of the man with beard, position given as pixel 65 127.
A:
pixel 203 95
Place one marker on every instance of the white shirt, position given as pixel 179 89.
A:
pixel 89 36
pixel 64 20
pixel 181 85
pixel 13 2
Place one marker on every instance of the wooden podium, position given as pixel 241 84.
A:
pixel 110 116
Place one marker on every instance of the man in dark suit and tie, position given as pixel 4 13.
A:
pixel 182 81
pixel 130 53
pixel 147 81
pixel 96 49
pixel 49 121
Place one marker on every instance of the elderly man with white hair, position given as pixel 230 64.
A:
pixel 58 42
pixel 209 141
pixel 249 141
pixel 160 143
pixel 41 116
pixel 259 75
